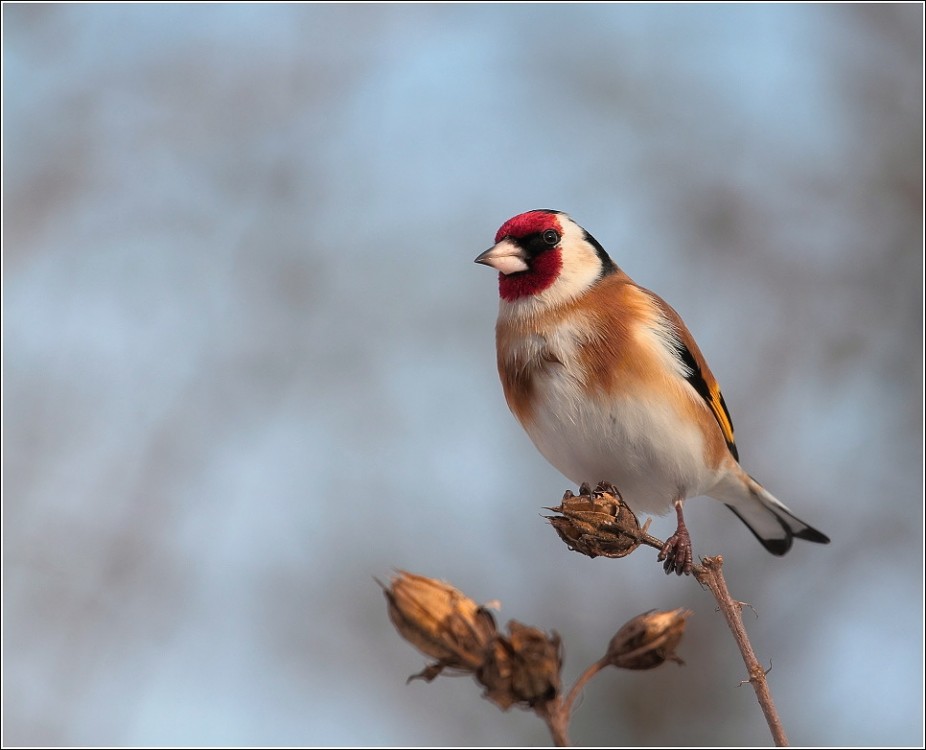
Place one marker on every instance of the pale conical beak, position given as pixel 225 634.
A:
pixel 505 257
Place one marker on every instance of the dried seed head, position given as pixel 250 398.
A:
pixel 597 522
pixel 522 667
pixel 648 640
pixel 439 621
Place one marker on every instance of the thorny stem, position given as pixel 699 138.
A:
pixel 556 713
pixel 710 574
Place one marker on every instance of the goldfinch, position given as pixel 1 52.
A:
pixel 610 386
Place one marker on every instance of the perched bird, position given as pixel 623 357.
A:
pixel 610 385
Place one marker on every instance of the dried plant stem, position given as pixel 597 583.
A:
pixel 523 666
pixel 556 719
pixel 710 574
pixel 598 523
pixel 558 712
pixel 592 670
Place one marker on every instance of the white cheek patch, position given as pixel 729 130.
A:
pixel 581 266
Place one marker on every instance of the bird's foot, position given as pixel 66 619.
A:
pixel 676 553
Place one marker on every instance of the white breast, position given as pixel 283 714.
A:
pixel 641 443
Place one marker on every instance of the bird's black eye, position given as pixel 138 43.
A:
pixel 551 237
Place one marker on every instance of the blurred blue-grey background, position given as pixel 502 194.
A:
pixel 249 363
